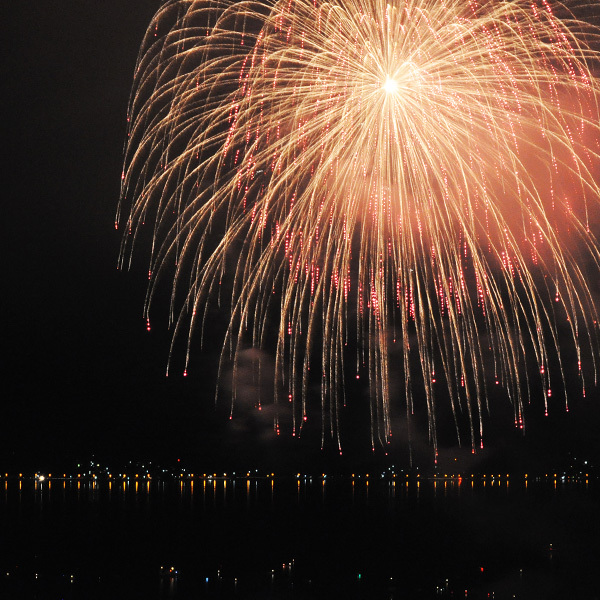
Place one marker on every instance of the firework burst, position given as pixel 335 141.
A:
pixel 416 180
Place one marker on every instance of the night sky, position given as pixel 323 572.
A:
pixel 82 375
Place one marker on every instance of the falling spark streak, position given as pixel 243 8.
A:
pixel 429 166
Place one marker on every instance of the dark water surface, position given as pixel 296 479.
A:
pixel 285 538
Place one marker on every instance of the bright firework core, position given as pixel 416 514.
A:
pixel 390 85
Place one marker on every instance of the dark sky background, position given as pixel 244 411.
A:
pixel 82 375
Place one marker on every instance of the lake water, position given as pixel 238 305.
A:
pixel 288 538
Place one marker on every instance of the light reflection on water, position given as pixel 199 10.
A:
pixel 222 491
pixel 352 537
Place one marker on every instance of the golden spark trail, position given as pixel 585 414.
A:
pixel 419 180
